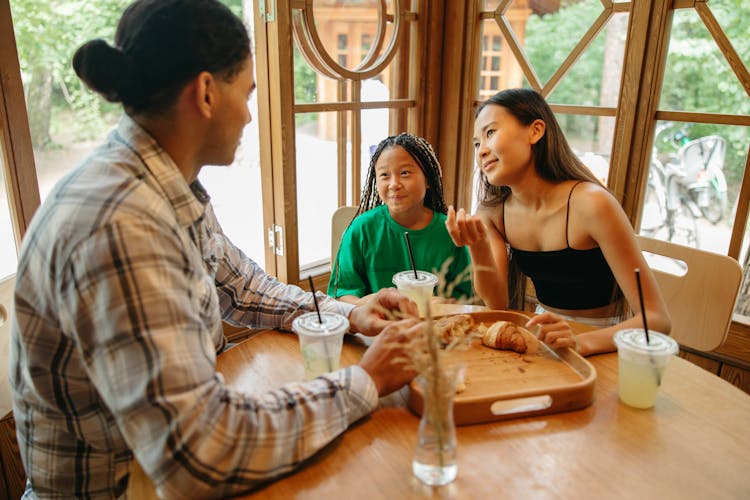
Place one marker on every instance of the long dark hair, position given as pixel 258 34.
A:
pixel 160 45
pixel 554 160
pixel 423 154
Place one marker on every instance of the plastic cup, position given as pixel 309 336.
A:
pixel 320 343
pixel 418 288
pixel 641 366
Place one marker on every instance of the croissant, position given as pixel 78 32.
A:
pixel 506 335
pixel 449 328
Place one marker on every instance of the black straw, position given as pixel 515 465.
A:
pixel 411 255
pixel 315 298
pixel 643 307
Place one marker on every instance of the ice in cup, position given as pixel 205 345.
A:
pixel 320 343
pixel 418 288
pixel 641 365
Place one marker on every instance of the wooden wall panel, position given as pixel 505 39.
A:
pixel 707 364
pixel 736 376
pixel 13 472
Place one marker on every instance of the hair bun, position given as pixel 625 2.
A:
pixel 106 70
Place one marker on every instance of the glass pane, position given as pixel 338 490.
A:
pixel 593 80
pixel 8 257
pixel 549 39
pixel 66 120
pixel 374 121
pixel 732 17
pixel 317 181
pixel 236 192
pixel 310 86
pixel 591 139
pixel 317 172
pixel 497 67
pixel 347 28
pixel 694 182
pixel 540 7
pixel 697 77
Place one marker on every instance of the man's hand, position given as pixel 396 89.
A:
pixel 392 343
pixel 379 310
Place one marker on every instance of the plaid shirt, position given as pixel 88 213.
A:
pixel 123 281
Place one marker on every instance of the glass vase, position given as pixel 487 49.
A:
pixel 435 458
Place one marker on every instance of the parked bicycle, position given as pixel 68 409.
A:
pixel 669 212
pixel 698 165
pixel 702 161
pixel 684 185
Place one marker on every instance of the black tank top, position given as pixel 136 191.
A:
pixel 567 278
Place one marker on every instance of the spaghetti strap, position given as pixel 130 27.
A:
pixel 567 213
pixel 502 233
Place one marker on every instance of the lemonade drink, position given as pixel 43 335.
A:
pixel 418 288
pixel 320 343
pixel 641 365
pixel 318 360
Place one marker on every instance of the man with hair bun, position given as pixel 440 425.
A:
pixel 125 276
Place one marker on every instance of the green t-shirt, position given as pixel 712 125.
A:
pixel 373 249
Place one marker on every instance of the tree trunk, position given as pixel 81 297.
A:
pixel 614 46
pixel 39 104
pixel 743 299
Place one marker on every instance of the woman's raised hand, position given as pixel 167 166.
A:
pixel 465 230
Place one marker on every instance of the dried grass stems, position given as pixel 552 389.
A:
pixel 438 377
pixel 446 287
pixel 428 354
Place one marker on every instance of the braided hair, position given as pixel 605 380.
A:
pixel 423 154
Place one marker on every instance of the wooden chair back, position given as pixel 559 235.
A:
pixel 339 222
pixel 700 289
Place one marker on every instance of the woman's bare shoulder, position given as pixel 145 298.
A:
pixel 492 216
pixel 592 198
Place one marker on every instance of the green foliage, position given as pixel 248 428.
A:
pixel 47 34
pixel 305 80
pixel 305 86
pixel 235 6
pixel 549 40
pixel 697 77
pixel 49 31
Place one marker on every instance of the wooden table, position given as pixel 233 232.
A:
pixel 695 443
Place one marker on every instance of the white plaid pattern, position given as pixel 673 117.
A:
pixel 123 281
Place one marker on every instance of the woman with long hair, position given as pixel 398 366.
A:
pixel 545 216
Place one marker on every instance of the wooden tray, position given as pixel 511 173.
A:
pixel 502 385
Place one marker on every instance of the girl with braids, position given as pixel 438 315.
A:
pixel 543 215
pixel 403 192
